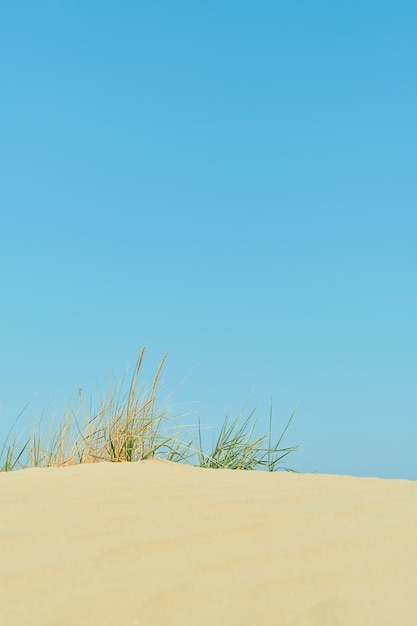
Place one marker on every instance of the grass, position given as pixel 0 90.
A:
pixel 131 426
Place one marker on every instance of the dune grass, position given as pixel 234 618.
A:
pixel 131 426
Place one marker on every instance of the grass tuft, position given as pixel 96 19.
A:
pixel 131 427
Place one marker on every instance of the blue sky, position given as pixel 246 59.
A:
pixel 233 183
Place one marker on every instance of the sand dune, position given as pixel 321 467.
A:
pixel 161 543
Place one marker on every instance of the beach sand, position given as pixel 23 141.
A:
pixel 162 543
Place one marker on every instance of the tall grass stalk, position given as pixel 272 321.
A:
pixel 131 426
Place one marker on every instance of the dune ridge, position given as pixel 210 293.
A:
pixel 156 542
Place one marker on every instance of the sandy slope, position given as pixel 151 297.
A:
pixel 159 543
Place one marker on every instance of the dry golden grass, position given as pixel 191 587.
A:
pixel 131 426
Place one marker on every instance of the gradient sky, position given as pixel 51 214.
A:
pixel 231 182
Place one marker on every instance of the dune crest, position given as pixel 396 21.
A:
pixel 158 543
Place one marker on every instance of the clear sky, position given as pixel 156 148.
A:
pixel 231 182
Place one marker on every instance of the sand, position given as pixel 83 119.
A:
pixel 161 543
